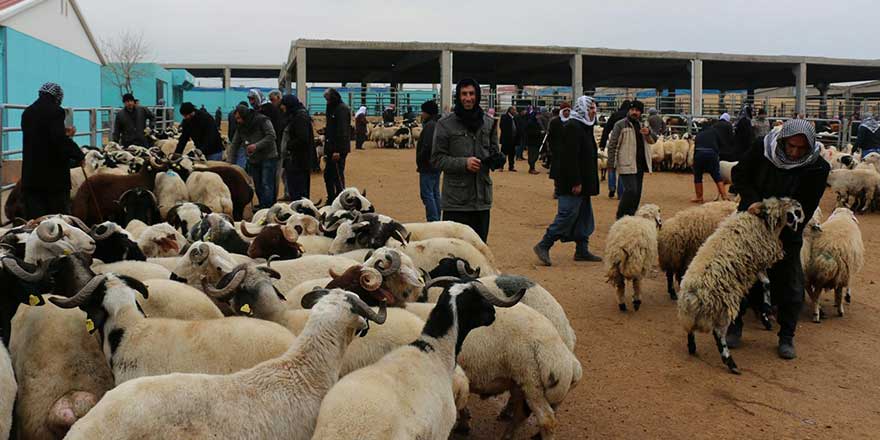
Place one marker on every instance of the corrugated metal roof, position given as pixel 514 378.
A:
pixel 7 3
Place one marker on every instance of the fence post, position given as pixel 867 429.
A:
pixel 93 127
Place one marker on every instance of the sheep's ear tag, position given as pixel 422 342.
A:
pixel 34 300
pixel 246 309
pixel 67 252
pixel 90 326
pixel 262 221
pixel 207 237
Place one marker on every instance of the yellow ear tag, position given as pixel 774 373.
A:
pixel 262 221
pixel 33 300
pixel 67 252
pixel 246 308
pixel 90 325
pixel 207 237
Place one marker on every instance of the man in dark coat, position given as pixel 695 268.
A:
pixel 337 143
pixel 298 147
pixel 200 127
pixel 269 110
pixel 743 134
pixel 556 138
pixel 577 179
pixel 522 136
pixel 786 163
pixel 509 138
pixel 218 117
pixel 726 142
pixel 256 137
pixel 47 155
pixel 388 115
pixel 614 183
pixel 131 122
pixel 868 139
pixel 534 137
pixel 231 126
pixel 429 177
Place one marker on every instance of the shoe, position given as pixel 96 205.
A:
pixel 543 254
pixel 611 194
pixel 786 349
pixel 734 336
pixel 587 257
pixel 534 172
pixel 512 170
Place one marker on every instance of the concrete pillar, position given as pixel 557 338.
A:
pixel 696 69
pixel 445 80
pixel 800 93
pixel 302 91
pixel 577 76
pixel 493 95
pixel 750 96
pixel 722 106
pixel 227 78
pixel 823 99
pixel 363 94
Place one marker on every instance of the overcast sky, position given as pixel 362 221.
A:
pixel 260 31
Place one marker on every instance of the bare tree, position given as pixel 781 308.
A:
pixel 125 56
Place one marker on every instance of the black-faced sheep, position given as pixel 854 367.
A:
pixel 112 244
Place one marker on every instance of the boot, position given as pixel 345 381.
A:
pixel 786 348
pixel 543 254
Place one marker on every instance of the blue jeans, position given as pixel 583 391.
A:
pixel 263 174
pixel 614 182
pixel 241 157
pixel 574 222
pixel 520 149
pixel 216 156
pixel 429 189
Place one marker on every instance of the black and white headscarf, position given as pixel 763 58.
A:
pixel 581 110
pixel 774 150
pixel 869 122
pixel 53 90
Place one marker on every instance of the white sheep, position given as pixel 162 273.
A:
pixel 208 188
pixel 54 237
pixel 186 215
pixel 139 270
pixel 733 258
pixel 136 346
pixel 836 254
pixel 307 267
pixel 161 240
pixel 448 229
pixel 8 388
pixel 276 399
pixel 631 250
pixel 202 262
pixel 171 299
pixel 854 188
pixel 170 190
pixel 726 169
pixel 135 228
pixel 319 245
pixel 426 254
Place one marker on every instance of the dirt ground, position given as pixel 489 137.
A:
pixel 639 381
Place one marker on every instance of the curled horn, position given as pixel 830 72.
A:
pixel 398 235
pixel 119 200
pixel 495 300
pixel 44 234
pixel 393 266
pixel 347 200
pixel 464 269
pixel 75 221
pixel 310 299
pixel 370 279
pixel 225 293
pixel 361 308
pixel 442 282
pixel 246 233
pixel 289 234
pixel 109 230
pixel 200 253
pixel 11 264
pixel 154 163
pixel 364 192
pixel 81 297
pixel 319 202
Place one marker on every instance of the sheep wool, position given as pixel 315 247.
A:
pixel 8 388
pixel 836 254
pixel 631 250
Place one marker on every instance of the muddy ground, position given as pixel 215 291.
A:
pixel 639 381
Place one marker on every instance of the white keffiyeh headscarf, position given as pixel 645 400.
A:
pixel 774 150
pixel 361 111
pixel 870 123
pixel 256 92
pixel 581 110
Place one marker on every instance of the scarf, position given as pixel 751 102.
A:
pixel 774 151
pixel 258 94
pixel 870 123
pixel 745 113
pixel 581 111
pixel 53 90
pixel 361 111
pixel 473 118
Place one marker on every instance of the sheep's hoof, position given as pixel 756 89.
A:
pixel 637 304
pixel 847 297
pixel 622 307
pixel 817 319
pixel 840 313
pixel 731 365
pixel 673 296
pixel 765 319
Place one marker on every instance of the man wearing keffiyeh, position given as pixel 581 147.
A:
pixel 785 163
pixel 868 140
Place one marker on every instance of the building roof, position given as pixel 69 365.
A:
pixel 11 8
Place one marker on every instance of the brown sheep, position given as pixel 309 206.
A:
pixel 108 189
pixel 240 188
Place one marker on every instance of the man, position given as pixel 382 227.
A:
pixel 522 135
pixel 254 134
pixel 555 138
pixel 278 124
pixel 786 163
pixel 269 110
pixel 577 178
pixel 613 181
pixel 230 122
pixel 760 125
pixel 706 161
pixel 726 142
pixel 298 147
pixel 630 157
pixel 509 136
pixel 218 117
pixel 465 151
pixel 534 137
pixel 48 153
pixel 388 115
pixel 429 177
pixel 200 127
pixel 743 135
pixel 868 140
pixel 337 143
pixel 360 127
pixel 131 122
pixel 655 122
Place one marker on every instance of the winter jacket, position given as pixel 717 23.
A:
pixel 726 142
pixel 755 178
pixel 453 145
pixel 47 152
pixel 578 160
pixel 534 132
pixel 509 137
pixel 256 129
pixel 622 147
pixel 655 122
pixel 360 127
pixel 338 130
pixel 274 114
pixel 130 125
pixel 609 127
pixel 231 125
pixel 522 122
pixel 555 139
pixel 743 137
pixel 425 145
pixel 707 140
pixel 202 129
pixel 388 116
pixel 866 139
pixel 298 142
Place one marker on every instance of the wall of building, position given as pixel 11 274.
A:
pixel 55 22
pixel 144 87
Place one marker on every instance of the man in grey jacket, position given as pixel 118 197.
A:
pixel 629 154
pixel 131 122
pixel 255 134
pixel 465 150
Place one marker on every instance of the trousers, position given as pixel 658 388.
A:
pixel 429 190
pixel 574 222
pixel 263 174
pixel 38 203
pixel 477 220
pixel 631 193
pixel 334 177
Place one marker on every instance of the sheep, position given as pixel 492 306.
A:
pixel 278 398
pixel 208 188
pixel 113 244
pixel 681 149
pixel 135 346
pixel 135 228
pixel 683 234
pixel 658 151
pixel 308 267
pixel 161 240
pixel 219 229
pixel 274 240
pixel 367 231
pixel 320 245
pixel 400 275
pixel 426 254
pixel 726 171
pixel 22 283
pixel 250 290
pixel 60 370
pixel 631 250
pixel 408 393
pixel 836 254
pixel 873 160
pixel 449 229
pixel 238 184
pixel 139 270
pixel 305 206
pixel 97 199
pixel 8 388
pixel 170 191
pixel 351 199
pixel 184 216
pixel 202 263
pixel 855 189
pixel 137 203
pixel 54 237
pixel 731 260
